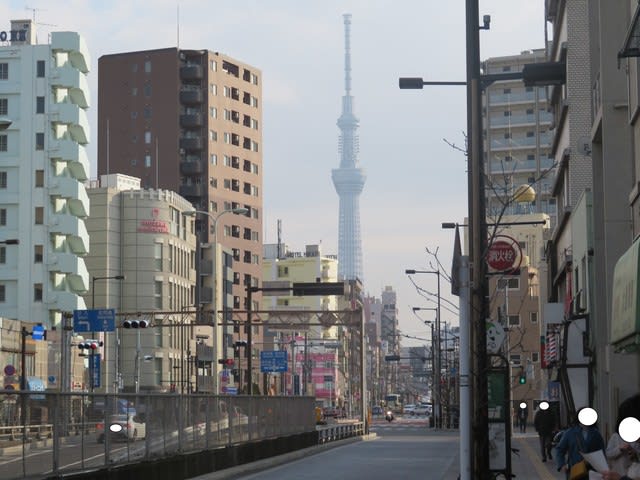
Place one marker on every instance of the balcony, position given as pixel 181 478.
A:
pixel 510 98
pixel 74 118
pixel 191 120
pixel 72 79
pixel 191 143
pixel 191 97
pixel 191 72
pixel 74 45
pixel 74 268
pixel 192 190
pixel 206 267
pixel 73 229
pixel 74 192
pixel 74 154
pixel 191 168
pixel 65 301
pixel 206 295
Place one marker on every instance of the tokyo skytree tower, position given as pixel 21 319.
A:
pixel 348 179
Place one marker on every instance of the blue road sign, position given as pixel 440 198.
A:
pixel 230 390
pixel 96 320
pixel 95 369
pixel 38 332
pixel 273 361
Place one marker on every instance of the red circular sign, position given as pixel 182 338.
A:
pixel 502 255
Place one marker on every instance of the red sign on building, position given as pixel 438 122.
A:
pixel 503 255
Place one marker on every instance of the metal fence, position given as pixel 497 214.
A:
pixel 47 433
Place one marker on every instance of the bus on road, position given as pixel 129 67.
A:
pixel 393 402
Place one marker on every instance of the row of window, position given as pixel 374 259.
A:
pixel 4 105
pixel 37 292
pixel 233 184
pixel 4 70
pixel 38 254
pixel 38 216
pixel 234 162
pixel 517 359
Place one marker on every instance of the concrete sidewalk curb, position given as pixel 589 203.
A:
pixel 253 467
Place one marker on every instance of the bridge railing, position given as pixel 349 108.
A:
pixel 48 433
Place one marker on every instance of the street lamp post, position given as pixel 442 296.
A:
pixel 105 343
pixel 437 409
pixel 216 339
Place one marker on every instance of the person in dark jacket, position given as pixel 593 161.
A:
pixel 544 422
pixel 576 439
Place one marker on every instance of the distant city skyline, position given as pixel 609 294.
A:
pixel 415 180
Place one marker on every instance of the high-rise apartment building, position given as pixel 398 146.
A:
pixel 190 121
pixel 43 164
pixel 518 140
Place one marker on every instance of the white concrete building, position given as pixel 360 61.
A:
pixel 43 203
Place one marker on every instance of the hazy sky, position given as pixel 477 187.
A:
pixel 415 181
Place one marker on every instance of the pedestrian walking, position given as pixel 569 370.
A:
pixel 544 423
pixel 578 438
pixel 623 456
pixel 523 415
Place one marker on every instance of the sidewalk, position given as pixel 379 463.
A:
pixel 526 465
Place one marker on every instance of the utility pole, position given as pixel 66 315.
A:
pixel 478 235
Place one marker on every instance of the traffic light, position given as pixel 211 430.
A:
pixel 135 324
pixel 522 380
pixel 240 343
pixel 391 358
pixel 90 346
pixel 226 361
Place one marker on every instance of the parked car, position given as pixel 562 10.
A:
pixel 331 412
pixel 123 427
pixel 422 410
pixel 409 409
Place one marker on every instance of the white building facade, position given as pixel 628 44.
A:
pixel 44 131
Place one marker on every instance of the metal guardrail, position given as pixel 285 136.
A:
pixel 339 431
pixel 56 433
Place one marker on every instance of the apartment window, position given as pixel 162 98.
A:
pixel 254 124
pixel 213 207
pixel 506 68
pixel 147 66
pixel 507 134
pixel 509 283
pixel 4 106
pixel 39 104
pixel 134 162
pixel 227 137
pixel 134 91
pixel 147 112
pixel 38 253
pixel 4 71
pixel 254 79
pixel 506 113
pixel 254 146
pixel 535 357
pixel 531 157
pixel 533 317
pixel 213 182
pixel 213 112
pixel 213 135
pixel 40 141
pixel 3 216
pixel 39 215
pixel 213 89
pixel 3 179
pixel 514 320
pixel 158 294
pixel 3 254
pixel 147 138
pixel 506 91
pixel 514 359
pixel 213 159
pixel 37 292
pixel 2 294
pixel 213 66
pixel 157 254
pixel 147 89
pixel 147 161
pixel 255 259
pixel 226 91
pixel 227 230
pixel 227 184
pixel 283 271
pixel 254 102
pixel 226 161
pixel 530 134
pixel 134 115
pixel 3 143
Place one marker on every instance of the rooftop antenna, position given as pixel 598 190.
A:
pixel 34 10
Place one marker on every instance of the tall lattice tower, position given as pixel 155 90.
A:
pixel 348 178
